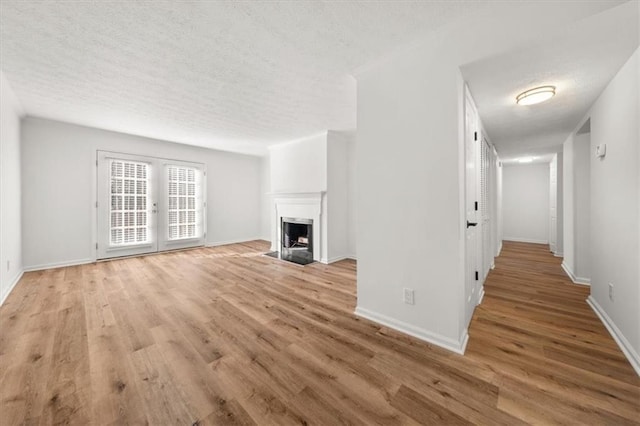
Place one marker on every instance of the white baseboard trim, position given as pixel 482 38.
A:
pixel 623 343
pixel 224 243
pixel 11 286
pixel 337 259
pixel 499 249
pixel 417 332
pixel 576 280
pixel 525 240
pixel 481 295
pixel 53 265
pixel 558 254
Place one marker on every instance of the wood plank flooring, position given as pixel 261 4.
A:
pixel 226 336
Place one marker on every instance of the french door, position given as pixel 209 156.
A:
pixel 148 204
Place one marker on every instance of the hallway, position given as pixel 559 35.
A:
pixel 554 359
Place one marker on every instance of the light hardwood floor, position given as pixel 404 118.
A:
pixel 227 336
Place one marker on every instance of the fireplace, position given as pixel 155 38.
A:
pixel 296 241
pixel 297 235
pixel 305 208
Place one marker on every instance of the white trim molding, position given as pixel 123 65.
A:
pixel 481 295
pixel 417 332
pixel 573 277
pixel 524 240
pixel 623 343
pixel 11 287
pixel 304 205
pixel 238 241
pixel 58 264
pixel 338 259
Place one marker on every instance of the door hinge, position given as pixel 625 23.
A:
pixel 96 204
pixel 476 205
pixel 96 163
pixel 96 246
pixel 477 276
pixel 475 136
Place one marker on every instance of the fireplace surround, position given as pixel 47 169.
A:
pixel 305 209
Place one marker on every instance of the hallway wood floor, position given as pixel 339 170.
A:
pixel 226 336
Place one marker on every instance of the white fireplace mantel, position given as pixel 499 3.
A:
pixel 302 205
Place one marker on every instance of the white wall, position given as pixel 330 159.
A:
pixel 319 163
pixel 299 166
pixel 352 197
pixel 556 168
pixel 337 195
pixel 408 209
pixel 582 206
pixel 559 205
pixel 410 141
pixel 568 210
pixel 58 178
pixel 615 207
pixel 525 202
pixel 10 190
pixel 499 234
pixel 576 207
pixel 266 202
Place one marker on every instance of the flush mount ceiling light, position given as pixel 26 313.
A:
pixel 535 96
pixel 526 159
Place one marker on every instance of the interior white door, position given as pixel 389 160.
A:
pixel 471 184
pixel 126 209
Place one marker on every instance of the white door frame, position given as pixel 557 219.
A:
pixel 472 217
pixel 161 238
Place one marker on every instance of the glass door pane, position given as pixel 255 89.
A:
pixel 184 205
pixel 126 206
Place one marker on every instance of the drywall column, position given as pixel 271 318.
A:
pixel 553 203
pixel 556 202
pixel 499 219
pixel 10 190
pixel 559 205
pixel 338 193
pixel 266 202
pixel 568 215
pixel 582 208
pixel 576 206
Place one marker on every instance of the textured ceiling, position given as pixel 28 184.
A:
pixel 229 75
pixel 580 61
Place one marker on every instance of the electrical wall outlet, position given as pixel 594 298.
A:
pixel 408 296
pixel 611 291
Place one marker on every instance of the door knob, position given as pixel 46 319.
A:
pixel 471 224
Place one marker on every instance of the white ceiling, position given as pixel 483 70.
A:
pixel 243 75
pixel 229 75
pixel 580 61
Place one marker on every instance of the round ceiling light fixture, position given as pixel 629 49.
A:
pixel 536 95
